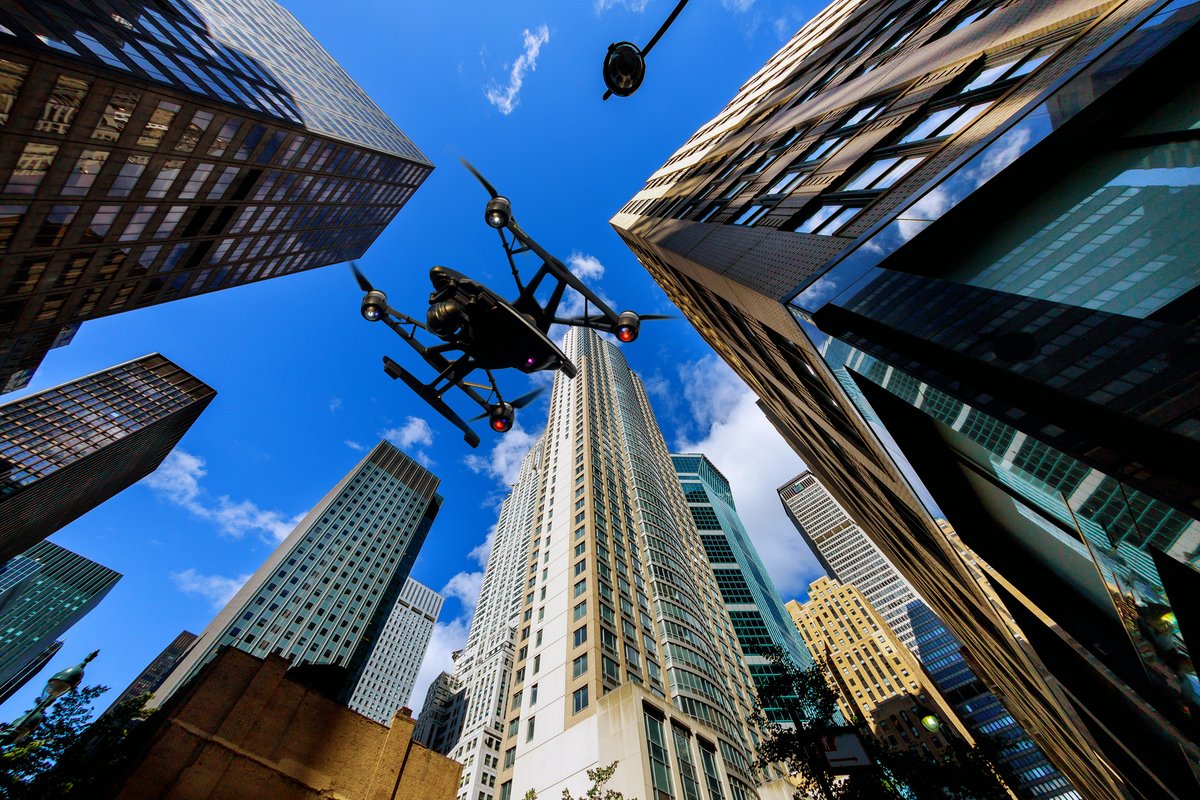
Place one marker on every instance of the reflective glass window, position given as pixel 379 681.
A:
pixel 12 76
pixel 84 173
pixel 158 124
pixel 62 105
pixel 117 112
pixel 31 168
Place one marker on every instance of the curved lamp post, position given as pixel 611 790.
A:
pixel 625 62
pixel 57 685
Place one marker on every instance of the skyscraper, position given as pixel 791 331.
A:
pixel 53 589
pixel 989 203
pixel 624 650
pixel 387 680
pixel 441 719
pixel 14 683
pixel 851 558
pixel 65 450
pixel 149 679
pixel 877 677
pixel 759 618
pixel 161 149
pixel 324 596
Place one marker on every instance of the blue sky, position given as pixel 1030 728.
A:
pixel 516 88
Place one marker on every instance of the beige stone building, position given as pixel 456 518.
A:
pixel 877 677
pixel 248 728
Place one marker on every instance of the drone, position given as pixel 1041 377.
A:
pixel 482 331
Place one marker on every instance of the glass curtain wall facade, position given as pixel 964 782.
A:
pixel 155 150
pixel 984 205
pixel 43 603
pixel 324 596
pixel 157 670
pixel 65 450
pixel 759 618
pixel 850 557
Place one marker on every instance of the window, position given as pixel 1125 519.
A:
pixel 942 122
pixel 580 610
pixel 827 219
pixel 611 669
pixel 580 635
pixel 580 567
pixel 687 767
pixel 529 728
pixel 537 664
pixel 581 587
pixel 660 766
pixel 579 699
pixel 533 693
pixel 579 666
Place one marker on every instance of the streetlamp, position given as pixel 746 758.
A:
pixel 625 62
pixel 57 685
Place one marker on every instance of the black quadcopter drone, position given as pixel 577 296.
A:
pixel 489 332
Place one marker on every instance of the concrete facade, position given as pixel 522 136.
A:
pixel 246 729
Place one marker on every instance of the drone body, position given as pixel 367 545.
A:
pixel 489 332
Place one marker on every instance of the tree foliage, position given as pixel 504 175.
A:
pixel 599 777
pixel 807 697
pixel 65 757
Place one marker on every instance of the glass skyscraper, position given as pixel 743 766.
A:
pixel 160 149
pixel 989 207
pixel 853 559
pixel 157 670
pixel 65 450
pixel 759 618
pixel 46 590
pixel 324 596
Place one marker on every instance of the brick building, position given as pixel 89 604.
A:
pixel 251 728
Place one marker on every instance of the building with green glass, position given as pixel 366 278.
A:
pixel 760 620
pixel 43 592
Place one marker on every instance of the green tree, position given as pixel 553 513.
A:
pixel 809 699
pixel 599 777
pixel 65 757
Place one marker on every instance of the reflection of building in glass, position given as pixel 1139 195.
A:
pixel 43 603
pixel 157 670
pixel 982 214
pixel 161 150
pixel 876 676
pixel 323 598
pixel 606 624
pixel 851 558
pixel 388 677
pixel 67 449
pixel 755 608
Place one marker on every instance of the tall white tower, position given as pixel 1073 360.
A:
pixel 621 648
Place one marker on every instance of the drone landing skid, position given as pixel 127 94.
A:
pixel 429 396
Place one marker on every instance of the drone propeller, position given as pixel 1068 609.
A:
pixel 363 283
pixel 479 177
pixel 520 402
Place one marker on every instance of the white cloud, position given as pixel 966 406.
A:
pixel 635 6
pixel 335 404
pixel 738 6
pixel 585 267
pixel 445 639
pixel 748 451
pixel 217 588
pixel 353 445
pixel 414 431
pixel 483 550
pixel 464 587
pixel 923 212
pixel 505 99
pixel 177 480
pixel 504 462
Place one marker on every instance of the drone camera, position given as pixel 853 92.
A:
pixel 627 326
pixel 498 212
pixel 446 318
pixel 373 306
pixel 624 68
pixel 501 417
